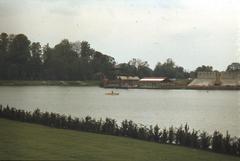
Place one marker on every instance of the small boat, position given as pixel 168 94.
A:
pixel 112 93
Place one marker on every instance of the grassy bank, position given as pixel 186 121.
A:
pixel 48 83
pixel 30 141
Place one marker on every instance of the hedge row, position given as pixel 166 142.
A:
pixel 178 136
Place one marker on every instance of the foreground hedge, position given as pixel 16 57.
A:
pixel 178 136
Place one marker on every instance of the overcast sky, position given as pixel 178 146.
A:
pixel 191 32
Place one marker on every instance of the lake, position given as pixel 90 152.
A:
pixel 201 109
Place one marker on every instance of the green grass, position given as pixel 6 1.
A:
pixel 24 141
pixel 48 83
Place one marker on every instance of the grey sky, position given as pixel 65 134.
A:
pixel 192 32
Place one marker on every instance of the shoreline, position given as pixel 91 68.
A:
pixel 48 83
pixel 183 88
pixel 97 83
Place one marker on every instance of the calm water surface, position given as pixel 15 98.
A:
pixel 202 110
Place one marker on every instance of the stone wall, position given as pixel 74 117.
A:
pixel 230 75
pixel 216 79
pixel 207 75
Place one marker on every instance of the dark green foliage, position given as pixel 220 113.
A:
pixel 180 136
pixel 170 70
pixel 233 67
pixel 156 133
pixel 17 57
pixel 217 142
pixel 102 64
pixel 3 55
pixel 235 145
pixel 22 60
pixel 142 133
pixel 135 67
pixel 126 69
pixel 129 128
pixel 35 64
pixel 151 133
pixel 205 140
pixel 164 137
pixel 187 136
pixel 109 126
pixel 141 68
pixel 194 139
pixel 203 68
pixel 227 141
pixel 171 135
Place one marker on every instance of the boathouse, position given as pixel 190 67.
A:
pixel 128 81
pixel 121 82
pixel 154 82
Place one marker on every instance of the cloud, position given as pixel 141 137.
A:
pixel 188 31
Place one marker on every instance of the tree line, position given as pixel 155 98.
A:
pixel 21 59
pixel 177 136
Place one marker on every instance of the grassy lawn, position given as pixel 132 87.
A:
pixel 25 141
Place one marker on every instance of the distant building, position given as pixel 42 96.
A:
pixel 230 78
pixel 122 82
pixel 208 79
pixel 204 79
pixel 154 82
pixel 128 81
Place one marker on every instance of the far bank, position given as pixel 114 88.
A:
pixel 48 83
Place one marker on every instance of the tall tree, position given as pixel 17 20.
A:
pixel 103 65
pixel 19 57
pixel 3 43
pixel 3 55
pixel 61 61
pixel 86 51
pixel 142 67
pixel 36 60
pixel 204 68
pixel 126 69
pixel 86 58
pixel 233 67
pixel 165 70
pixel 169 69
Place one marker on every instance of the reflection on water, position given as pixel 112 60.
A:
pixel 202 110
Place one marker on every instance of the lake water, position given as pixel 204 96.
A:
pixel 202 110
